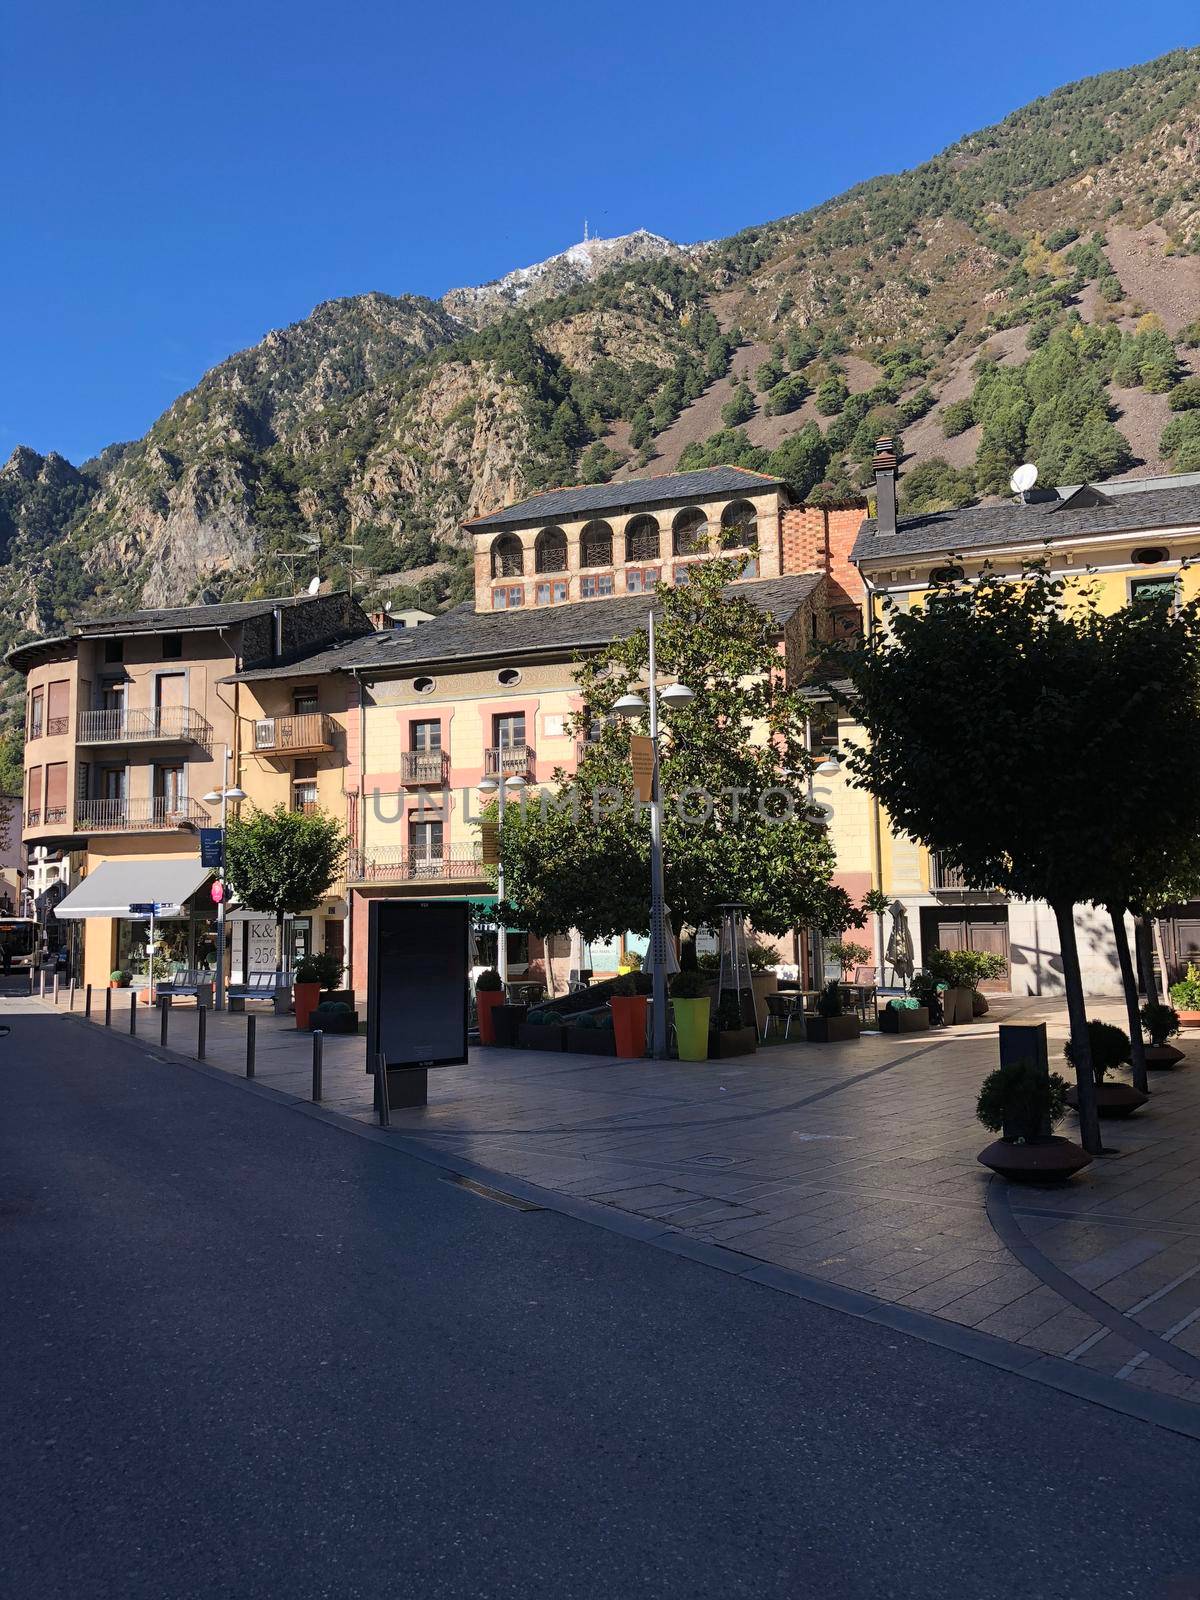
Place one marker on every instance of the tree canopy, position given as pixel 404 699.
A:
pixel 283 861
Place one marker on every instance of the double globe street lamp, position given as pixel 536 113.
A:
pixel 501 788
pixel 224 795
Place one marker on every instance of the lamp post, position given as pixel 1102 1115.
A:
pixel 632 705
pixel 498 787
pixel 224 794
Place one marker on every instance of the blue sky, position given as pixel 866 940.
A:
pixel 178 179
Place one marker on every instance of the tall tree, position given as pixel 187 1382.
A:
pixel 283 862
pixel 738 823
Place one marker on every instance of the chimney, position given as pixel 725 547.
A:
pixel 884 466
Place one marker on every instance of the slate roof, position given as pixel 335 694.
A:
pixel 561 505
pixel 465 633
pixel 179 619
pixel 1160 504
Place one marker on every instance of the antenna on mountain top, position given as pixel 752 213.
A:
pixel 1023 479
pixel 585 231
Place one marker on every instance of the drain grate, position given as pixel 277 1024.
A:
pixel 498 1195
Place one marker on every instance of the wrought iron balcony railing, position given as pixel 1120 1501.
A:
pixel 395 864
pixel 944 876
pixel 514 760
pixel 306 732
pixel 425 767
pixel 165 724
pixel 158 815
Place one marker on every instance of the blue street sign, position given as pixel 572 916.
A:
pixel 211 854
pixel 145 908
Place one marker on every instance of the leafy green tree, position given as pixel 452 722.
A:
pixel 832 395
pixel 768 375
pixel 283 861
pixel 1024 792
pixel 787 395
pixel 720 785
pixel 801 460
pixel 599 462
pixel 1185 396
pixel 739 407
pixel 957 418
pixel 934 485
pixel 1180 442
pixel 729 447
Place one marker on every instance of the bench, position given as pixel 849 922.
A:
pixel 273 986
pixel 197 984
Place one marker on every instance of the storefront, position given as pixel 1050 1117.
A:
pixel 117 937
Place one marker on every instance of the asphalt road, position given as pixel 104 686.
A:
pixel 244 1353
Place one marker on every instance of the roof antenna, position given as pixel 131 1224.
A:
pixel 585 231
pixel 1022 480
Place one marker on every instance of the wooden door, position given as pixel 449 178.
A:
pixel 968 928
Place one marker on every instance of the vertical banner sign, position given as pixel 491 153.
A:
pixel 210 848
pixel 490 840
pixel 641 758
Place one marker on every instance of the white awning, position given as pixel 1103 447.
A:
pixel 114 886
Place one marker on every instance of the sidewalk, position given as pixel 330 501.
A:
pixel 851 1163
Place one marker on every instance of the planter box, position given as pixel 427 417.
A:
pixel 506 1022
pixel 1161 1057
pixel 1188 1019
pixel 1036 1161
pixel 691 1027
pixel 591 1042
pixel 345 1023
pixel 487 1001
pixel 629 1025
pixel 958 1006
pixel 763 984
pixel 542 1036
pixel 732 1042
pixel 904 1021
pixel 1112 1099
pixel 832 1030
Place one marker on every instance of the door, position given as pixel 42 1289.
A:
pixel 425 841
pixel 510 731
pixel 968 928
pixel 170 697
pixel 170 791
pixel 426 737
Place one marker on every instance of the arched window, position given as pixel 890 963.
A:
pixel 739 526
pixel 595 545
pixel 508 558
pixel 642 540
pixel 550 551
pixel 689 533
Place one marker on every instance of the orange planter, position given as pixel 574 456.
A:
pixel 629 1025
pixel 486 1001
pixel 306 997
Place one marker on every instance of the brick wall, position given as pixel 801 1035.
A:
pixel 820 539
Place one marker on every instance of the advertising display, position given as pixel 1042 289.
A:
pixel 417 983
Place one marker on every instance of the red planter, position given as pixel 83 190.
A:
pixel 486 1001
pixel 1188 1019
pixel 306 997
pixel 629 1025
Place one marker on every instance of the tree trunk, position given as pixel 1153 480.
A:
pixel 1132 1011
pixel 1085 1078
pixel 1145 944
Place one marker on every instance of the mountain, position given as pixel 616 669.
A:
pixel 1032 292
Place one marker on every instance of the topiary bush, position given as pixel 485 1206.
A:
pixel 1159 1022
pixel 1021 1095
pixel 488 982
pixel 689 986
pixel 1109 1046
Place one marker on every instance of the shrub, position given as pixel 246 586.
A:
pixel 1185 396
pixel 319 968
pixel 965 969
pixel 625 984
pixel 729 1011
pixel 1109 1047
pixel 1185 995
pixel 923 987
pixel 829 1001
pixel 832 396
pixel 847 953
pixel 1021 1093
pixel 593 1019
pixel 786 396
pixel 1159 1022
pixel 331 1008
pixel 488 982
pixel 738 408
pixel 689 986
pixel 120 977
pixel 633 961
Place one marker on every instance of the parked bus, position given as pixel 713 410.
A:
pixel 20 941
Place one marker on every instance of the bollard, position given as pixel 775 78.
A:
pixel 71 997
pixel 108 1008
pixel 31 983
pixel 250 1022
pixel 56 986
pixel 201 1029
pixel 87 1003
pixel 381 1093
pixel 318 1037
pixel 133 1011
pixel 42 987
pixel 164 1014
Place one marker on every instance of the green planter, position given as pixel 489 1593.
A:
pixel 691 1028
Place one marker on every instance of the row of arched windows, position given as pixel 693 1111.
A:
pixel 643 541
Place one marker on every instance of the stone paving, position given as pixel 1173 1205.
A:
pixel 854 1163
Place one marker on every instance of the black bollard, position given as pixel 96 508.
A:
pixel 317 1038
pixel 133 1011
pixel 201 1029
pixel 108 1008
pixel 87 1003
pixel 164 1015
pixel 250 1022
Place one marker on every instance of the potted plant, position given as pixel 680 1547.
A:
pixel 1022 1102
pixel 928 992
pixel 333 1016
pixel 591 1034
pixel 831 1024
pixel 904 1016
pixel 962 971
pixel 731 1032
pixel 847 954
pixel 629 1018
pixel 313 973
pixel 489 993
pixel 1185 997
pixel 691 1002
pixel 542 1030
pixel 631 962
pixel 1109 1046
pixel 120 979
pixel 1160 1024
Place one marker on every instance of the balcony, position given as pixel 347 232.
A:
pixel 157 725
pixel 946 879
pixel 158 815
pixel 425 767
pixel 307 733
pixel 394 864
pixel 508 761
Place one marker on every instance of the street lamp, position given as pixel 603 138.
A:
pixel 493 786
pixel 831 766
pixel 224 795
pixel 632 705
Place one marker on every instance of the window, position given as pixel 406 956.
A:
pixel 58 707
pixel 1151 555
pixel 36 713
pixel 509 597
pixel 552 594
pixel 641 580
pixel 304 701
pixel 550 551
pixel 33 797
pixel 750 570
pixel 424 685
pixel 56 792
pixel 689 533
pixel 508 678
pixel 425 840
pixel 642 540
pixel 596 545
pixel 170 787
pixel 425 736
pixel 1152 588
pixel 681 574
pixel 508 558
pixel 596 588
pixel 114 650
pixel 172 646
pixel 304 785
pixel 508 731
pixel 739 526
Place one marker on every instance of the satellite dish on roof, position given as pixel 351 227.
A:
pixel 387 605
pixel 314 584
pixel 1023 479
